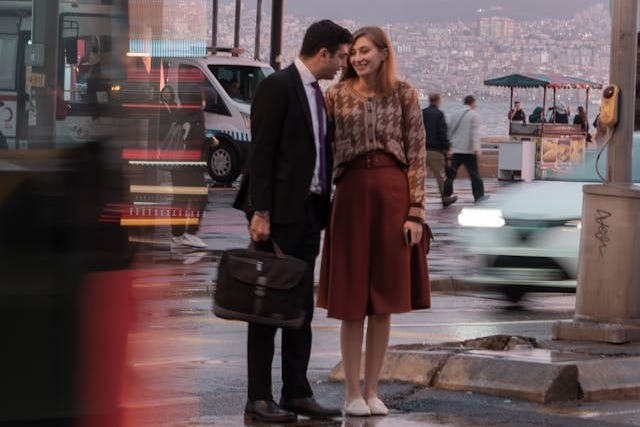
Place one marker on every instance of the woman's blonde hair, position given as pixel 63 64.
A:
pixel 387 74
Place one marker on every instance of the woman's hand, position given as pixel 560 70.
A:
pixel 412 232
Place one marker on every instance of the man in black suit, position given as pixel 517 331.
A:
pixel 285 194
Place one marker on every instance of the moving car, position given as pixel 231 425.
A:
pixel 527 237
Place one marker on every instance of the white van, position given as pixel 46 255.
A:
pixel 228 85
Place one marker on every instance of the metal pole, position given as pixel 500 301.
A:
pixel 511 102
pixel 214 24
pixel 544 111
pixel 554 107
pixel 42 120
pixel 256 53
pixel 236 33
pixel 586 109
pixel 623 42
pixel 277 13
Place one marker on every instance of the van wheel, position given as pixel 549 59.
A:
pixel 223 162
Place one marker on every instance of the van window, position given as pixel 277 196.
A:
pixel 8 49
pixel 240 81
pixel 193 85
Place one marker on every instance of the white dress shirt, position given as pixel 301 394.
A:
pixel 307 79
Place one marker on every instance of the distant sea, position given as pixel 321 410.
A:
pixel 493 113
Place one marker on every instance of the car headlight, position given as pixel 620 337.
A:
pixel 475 217
pixel 577 223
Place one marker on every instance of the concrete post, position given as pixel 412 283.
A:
pixel 277 12
pixel 42 119
pixel 608 294
pixel 623 73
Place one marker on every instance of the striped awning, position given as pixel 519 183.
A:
pixel 557 81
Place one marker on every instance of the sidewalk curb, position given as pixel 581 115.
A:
pixel 518 367
pixel 539 382
pixel 616 378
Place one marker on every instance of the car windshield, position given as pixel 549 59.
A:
pixel 240 81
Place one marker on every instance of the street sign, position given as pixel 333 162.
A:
pixel 36 79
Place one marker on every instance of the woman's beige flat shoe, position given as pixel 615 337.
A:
pixel 357 407
pixel 377 407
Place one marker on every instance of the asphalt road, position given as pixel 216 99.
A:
pixel 187 367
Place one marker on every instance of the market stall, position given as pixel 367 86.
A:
pixel 542 149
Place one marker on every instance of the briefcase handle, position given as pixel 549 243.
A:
pixel 276 247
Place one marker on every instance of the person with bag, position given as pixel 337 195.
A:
pixel 437 145
pixel 285 194
pixel 183 128
pixel 465 145
pixel 378 210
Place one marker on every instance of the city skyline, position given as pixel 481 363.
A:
pixel 455 57
pixel 382 12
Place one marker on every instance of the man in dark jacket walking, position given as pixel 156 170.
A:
pixel 437 144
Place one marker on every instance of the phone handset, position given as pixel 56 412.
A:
pixel 609 106
pixel 608 117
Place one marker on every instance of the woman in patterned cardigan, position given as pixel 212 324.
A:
pixel 378 211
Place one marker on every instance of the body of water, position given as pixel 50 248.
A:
pixel 493 113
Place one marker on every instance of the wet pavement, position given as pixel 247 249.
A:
pixel 187 367
pixel 224 227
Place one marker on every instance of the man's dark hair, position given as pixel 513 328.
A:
pixel 434 97
pixel 469 99
pixel 327 34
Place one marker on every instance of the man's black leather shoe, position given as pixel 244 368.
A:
pixel 267 411
pixel 308 407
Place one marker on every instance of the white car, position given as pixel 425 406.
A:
pixel 527 236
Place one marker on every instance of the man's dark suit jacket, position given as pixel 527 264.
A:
pixel 280 168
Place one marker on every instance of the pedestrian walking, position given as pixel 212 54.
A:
pixel 378 209
pixel 182 129
pixel 465 145
pixel 285 193
pixel 438 145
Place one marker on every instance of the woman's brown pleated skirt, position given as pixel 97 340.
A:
pixel 365 261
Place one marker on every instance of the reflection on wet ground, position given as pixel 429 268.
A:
pixel 224 227
pixel 393 420
pixel 536 355
pixel 189 365
pixel 396 419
